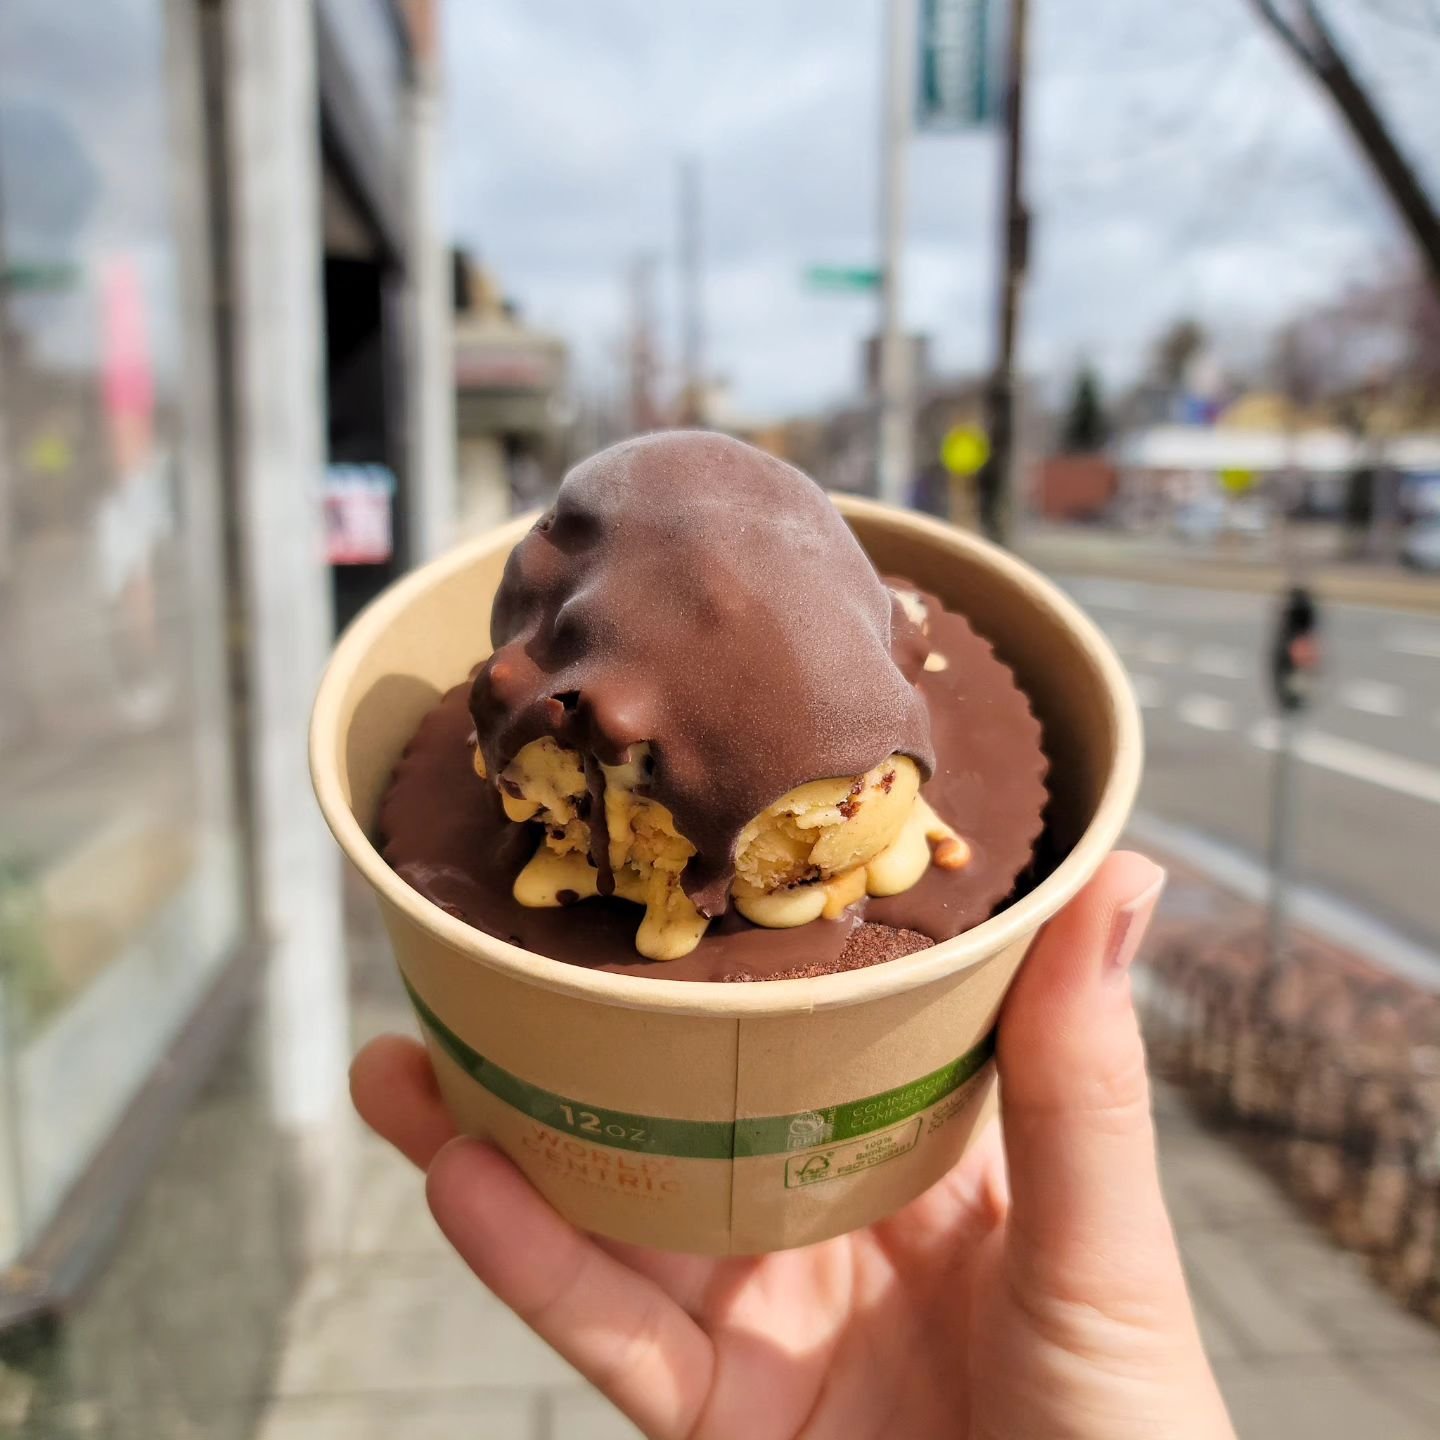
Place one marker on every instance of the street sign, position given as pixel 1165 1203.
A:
pixel 843 277
pixel 956 89
pixel 26 276
pixel 964 450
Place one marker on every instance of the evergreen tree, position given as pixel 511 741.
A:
pixel 1085 427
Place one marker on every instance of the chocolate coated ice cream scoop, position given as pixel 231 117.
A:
pixel 686 646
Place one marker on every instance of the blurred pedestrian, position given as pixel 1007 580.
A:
pixel 1034 1292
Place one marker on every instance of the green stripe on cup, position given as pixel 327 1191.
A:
pixel 706 1139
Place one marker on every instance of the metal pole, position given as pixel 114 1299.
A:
pixel 997 477
pixel 642 345
pixel 1282 837
pixel 893 438
pixel 692 403
pixel 1282 777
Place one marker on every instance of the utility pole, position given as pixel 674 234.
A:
pixel 996 483
pixel 692 316
pixel 641 344
pixel 894 429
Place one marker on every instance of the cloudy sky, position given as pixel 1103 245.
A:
pixel 1179 164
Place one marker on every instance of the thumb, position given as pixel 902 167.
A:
pixel 1087 1218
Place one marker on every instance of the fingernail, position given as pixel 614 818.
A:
pixel 1127 930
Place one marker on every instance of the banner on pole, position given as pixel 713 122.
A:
pixel 957 87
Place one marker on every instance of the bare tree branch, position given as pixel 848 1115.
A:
pixel 1270 14
pixel 1309 39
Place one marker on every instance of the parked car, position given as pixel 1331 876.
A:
pixel 1420 546
pixel 1247 517
pixel 1199 521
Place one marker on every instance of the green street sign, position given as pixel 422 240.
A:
pixel 31 275
pixel 842 277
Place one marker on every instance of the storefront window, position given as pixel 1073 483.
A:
pixel 118 890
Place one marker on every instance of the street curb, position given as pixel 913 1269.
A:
pixel 1402 593
pixel 1315 913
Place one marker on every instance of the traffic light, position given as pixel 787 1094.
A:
pixel 1295 653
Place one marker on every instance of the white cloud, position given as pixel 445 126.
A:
pixel 1179 163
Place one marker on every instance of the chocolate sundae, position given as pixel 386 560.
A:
pixel 712 743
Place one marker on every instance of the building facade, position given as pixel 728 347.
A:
pixel 224 424
pixel 509 405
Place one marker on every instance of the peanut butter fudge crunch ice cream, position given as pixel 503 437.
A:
pixel 711 742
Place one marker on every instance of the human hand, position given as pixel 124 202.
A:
pixel 1047 1307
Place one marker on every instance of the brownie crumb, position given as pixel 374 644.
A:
pixel 870 944
pixel 873 944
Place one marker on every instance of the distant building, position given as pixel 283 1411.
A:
pixel 1163 467
pixel 1074 487
pixel 509 404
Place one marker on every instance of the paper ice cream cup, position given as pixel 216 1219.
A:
pixel 723 1118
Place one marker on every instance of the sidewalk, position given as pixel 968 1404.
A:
pixel 1086 550
pixel 391 1337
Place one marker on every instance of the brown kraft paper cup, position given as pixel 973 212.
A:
pixel 723 1118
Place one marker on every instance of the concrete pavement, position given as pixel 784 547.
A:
pixel 1303 1343
pixel 391 1337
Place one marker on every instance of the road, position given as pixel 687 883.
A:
pixel 1368 780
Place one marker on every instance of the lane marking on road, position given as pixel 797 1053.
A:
pixel 1206 712
pixel 1107 594
pixel 1359 762
pixel 1159 649
pixel 1210 607
pixel 1373 697
pixel 1149 692
pixel 1316 910
pixel 1121 635
pixel 1425 643
pixel 1223 661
